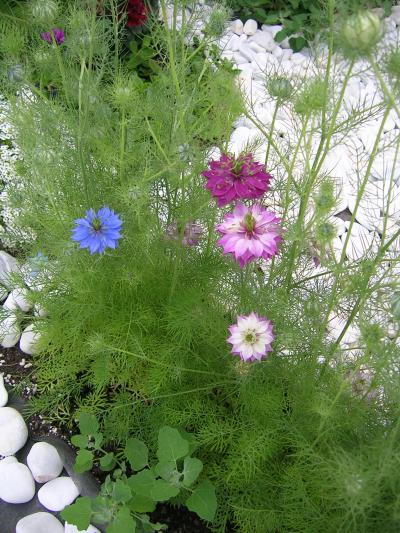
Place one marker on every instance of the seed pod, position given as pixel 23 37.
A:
pixel 361 32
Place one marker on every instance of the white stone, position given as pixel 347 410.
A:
pixel 3 392
pixel 9 331
pixel 39 310
pixel 239 58
pixel 55 495
pixel 68 528
pixel 4 291
pixel 277 52
pixel 7 461
pixel 13 431
pixel 256 48
pixel 44 462
pixel 16 483
pixel 265 40
pixel 250 27
pixel 39 523
pixel 233 43
pixel 247 52
pixel 272 30
pixel 10 304
pixel 20 298
pixel 29 339
pixel 237 27
pixel 8 266
pixel 298 58
pixel 396 17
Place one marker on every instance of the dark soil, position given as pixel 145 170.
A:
pixel 178 519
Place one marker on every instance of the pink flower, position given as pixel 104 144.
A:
pixel 250 233
pixel 232 179
pixel 251 337
pixel 56 35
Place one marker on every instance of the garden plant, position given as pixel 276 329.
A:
pixel 192 294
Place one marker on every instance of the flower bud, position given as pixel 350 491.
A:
pixel 361 32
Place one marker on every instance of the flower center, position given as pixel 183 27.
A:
pixel 250 336
pixel 96 224
pixel 237 167
pixel 249 222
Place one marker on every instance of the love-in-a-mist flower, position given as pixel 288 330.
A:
pixel 98 231
pixel 55 35
pixel 249 233
pixel 137 13
pixel 231 178
pixel 251 337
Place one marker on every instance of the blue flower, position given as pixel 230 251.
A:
pixel 98 231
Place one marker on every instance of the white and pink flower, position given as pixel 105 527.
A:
pixel 249 233
pixel 251 337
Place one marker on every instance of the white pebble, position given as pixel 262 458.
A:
pixel 10 304
pixel 250 27
pixel 29 339
pixel 8 266
pixel 265 40
pixel 13 431
pixel 16 483
pixel 3 392
pixel 20 298
pixel 55 495
pixel 44 462
pixel 9 331
pixel 237 27
pixel 39 523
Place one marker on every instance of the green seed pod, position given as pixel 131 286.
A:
pixel 280 87
pixel 361 32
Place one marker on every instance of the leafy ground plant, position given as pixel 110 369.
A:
pixel 126 498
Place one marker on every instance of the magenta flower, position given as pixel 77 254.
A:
pixel 192 233
pixel 250 233
pixel 232 179
pixel 251 337
pixel 55 33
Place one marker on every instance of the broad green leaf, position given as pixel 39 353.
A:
pixel 88 424
pixel 163 491
pixel 191 470
pixel 145 484
pixel 171 445
pixel 98 439
pixel 141 504
pixel 121 492
pixel 79 513
pixel 137 454
pixel 102 510
pixel 84 461
pixel 107 462
pixel 80 441
pixel 123 522
pixel 168 471
pixel 142 482
pixel 203 501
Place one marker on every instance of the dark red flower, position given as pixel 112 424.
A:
pixel 137 13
